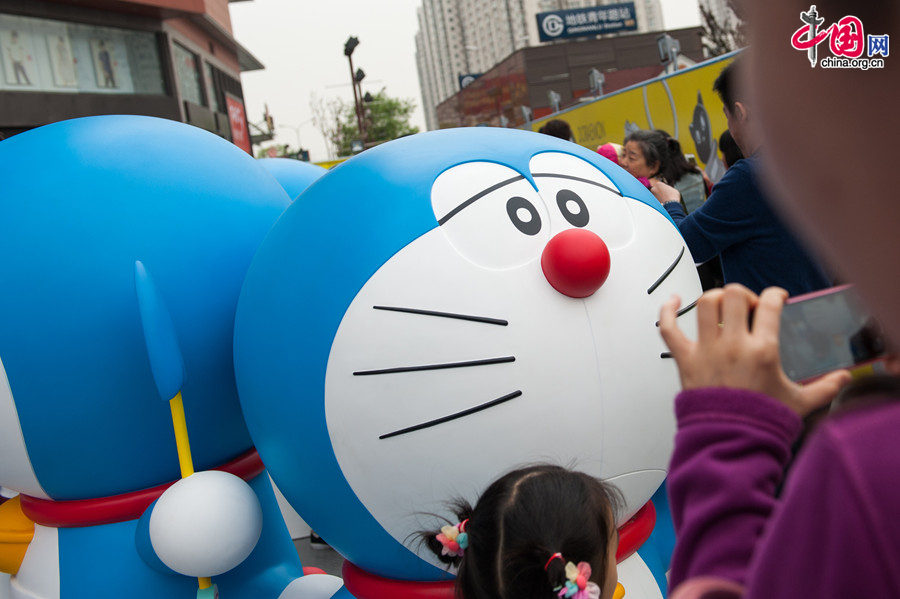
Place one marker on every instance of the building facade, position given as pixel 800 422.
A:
pixel 174 59
pixel 721 10
pixel 459 38
pixel 525 78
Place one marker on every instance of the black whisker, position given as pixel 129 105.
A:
pixel 669 270
pixel 470 411
pixel 665 354
pixel 484 362
pixel 483 319
pixel 684 310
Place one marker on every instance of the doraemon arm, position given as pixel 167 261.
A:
pixel 208 525
pixel 201 526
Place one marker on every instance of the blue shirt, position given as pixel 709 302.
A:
pixel 756 249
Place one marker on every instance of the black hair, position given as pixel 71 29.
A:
pixel 731 153
pixel 557 128
pixel 654 147
pixel 675 166
pixel 520 521
pixel 726 85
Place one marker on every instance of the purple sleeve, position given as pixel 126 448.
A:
pixel 730 452
pixel 833 533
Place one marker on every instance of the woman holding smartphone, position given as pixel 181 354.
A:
pixel 834 529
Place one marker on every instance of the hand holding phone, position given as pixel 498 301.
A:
pixel 732 352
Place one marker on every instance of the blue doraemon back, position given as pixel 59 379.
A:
pixel 293 175
pixel 367 249
pixel 81 201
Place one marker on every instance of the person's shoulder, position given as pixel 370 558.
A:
pixel 692 176
pixel 871 416
pixel 866 435
pixel 738 182
pixel 744 168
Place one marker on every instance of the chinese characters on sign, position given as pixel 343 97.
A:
pixel 846 40
pixel 612 18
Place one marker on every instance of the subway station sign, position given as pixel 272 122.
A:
pixel 580 22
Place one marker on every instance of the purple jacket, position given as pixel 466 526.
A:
pixel 835 530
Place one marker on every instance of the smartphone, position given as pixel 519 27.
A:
pixel 825 331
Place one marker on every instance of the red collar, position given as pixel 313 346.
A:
pixel 119 508
pixel 364 585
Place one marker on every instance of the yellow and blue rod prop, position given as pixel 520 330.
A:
pixel 167 367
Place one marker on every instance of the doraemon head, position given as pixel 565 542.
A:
pixel 293 175
pixel 444 307
pixel 81 201
pixel 701 131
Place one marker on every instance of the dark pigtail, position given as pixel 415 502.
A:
pixel 555 570
pixel 463 512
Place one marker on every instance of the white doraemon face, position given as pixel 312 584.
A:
pixel 16 472
pixel 459 360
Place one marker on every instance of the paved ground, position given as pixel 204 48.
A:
pixel 326 558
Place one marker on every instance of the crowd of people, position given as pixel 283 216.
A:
pixel 752 518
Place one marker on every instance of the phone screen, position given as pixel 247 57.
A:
pixel 827 331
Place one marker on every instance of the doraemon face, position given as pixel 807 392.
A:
pixel 467 350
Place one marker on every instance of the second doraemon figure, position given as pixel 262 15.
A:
pixel 447 306
pixel 85 438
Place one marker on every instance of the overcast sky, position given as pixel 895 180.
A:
pixel 301 44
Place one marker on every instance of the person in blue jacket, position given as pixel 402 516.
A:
pixel 737 222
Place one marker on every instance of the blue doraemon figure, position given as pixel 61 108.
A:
pixel 444 307
pixel 85 437
pixel 293 175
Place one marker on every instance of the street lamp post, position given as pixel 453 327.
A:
pixel 357 78
pixel 349 46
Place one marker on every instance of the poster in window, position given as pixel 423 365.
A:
pixel 240 135
pixel 105 64
pixel 19 66
pixel 62 60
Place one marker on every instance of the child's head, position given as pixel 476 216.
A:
pixel 614 152
pixel 521 521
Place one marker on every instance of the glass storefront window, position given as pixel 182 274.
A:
pixel 187 69
pixel 56 56
pixel 215 99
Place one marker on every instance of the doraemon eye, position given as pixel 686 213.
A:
pixel 524 215
pixel 581 196
pixel 490 214
pixel 572 207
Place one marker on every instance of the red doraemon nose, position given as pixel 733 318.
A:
pixel 576 262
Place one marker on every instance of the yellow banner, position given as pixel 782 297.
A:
pixel 682 103
pixel 330 163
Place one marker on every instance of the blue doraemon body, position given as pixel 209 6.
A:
pixel 293 175
pixel 409 330
pixel 80 416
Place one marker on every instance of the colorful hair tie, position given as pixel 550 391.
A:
pixel 454 539
pixel 578 582
pixel 556 555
